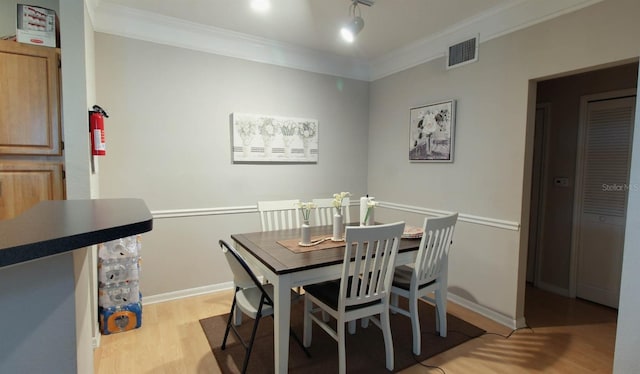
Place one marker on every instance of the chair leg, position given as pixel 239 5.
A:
pixel 441 309
pixel 237 316
pixel 394 301
pixel 364 323
pixel 352 327
pixel 325 316
pixel 250 346
pixel 342 353
pixel 415 324
pixel 306 334
pixel 385 325
pixel 226 331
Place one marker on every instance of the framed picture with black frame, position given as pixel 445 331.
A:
pixel 431 132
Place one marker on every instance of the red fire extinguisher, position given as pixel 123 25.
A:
pixel 96 129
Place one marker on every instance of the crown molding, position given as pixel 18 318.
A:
pixel 132 23
pixel 489 25
pixel 142 25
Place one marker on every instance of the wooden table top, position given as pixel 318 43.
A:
pixel 265 247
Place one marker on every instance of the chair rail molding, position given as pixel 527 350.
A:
pixel 485 221
pixel 177 213
pixel 194 212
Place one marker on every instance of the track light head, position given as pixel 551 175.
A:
pixel 355 24
pixel 351 29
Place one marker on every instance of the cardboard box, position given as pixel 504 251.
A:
pixel 37 25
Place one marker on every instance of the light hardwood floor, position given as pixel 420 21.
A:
pixel 567 336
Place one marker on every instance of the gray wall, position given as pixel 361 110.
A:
pixel 563 95
pixel 493 140
pixel 168 142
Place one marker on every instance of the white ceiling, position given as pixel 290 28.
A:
pixel 389 24
pixel 398 33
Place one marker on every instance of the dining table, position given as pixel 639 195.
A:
pixel 275 255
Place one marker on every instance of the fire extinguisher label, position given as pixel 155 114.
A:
pixel 98 140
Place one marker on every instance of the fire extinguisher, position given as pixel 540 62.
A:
pixel 96 129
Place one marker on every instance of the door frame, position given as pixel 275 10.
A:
pixel 534 254
pixel 577 191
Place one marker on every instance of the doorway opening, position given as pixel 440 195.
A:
pixel 556 151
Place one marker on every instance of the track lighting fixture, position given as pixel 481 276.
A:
pixel 355 24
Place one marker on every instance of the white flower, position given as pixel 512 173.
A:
pixel 337 200
pixel 305 208
pixel 307 129
pixel 370 205
pixel 288 128
pixel 430 125
pixel 267 129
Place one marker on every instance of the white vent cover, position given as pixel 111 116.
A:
pixel 462 53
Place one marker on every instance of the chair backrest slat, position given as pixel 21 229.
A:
pixel 434 248
pixel 369 262
pixel 279 214
pixel 324 211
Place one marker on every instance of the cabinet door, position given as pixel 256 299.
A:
pixel 29 104
pixel 23 184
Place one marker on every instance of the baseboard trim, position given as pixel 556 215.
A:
pixel 553 289
pixel 197 291
pixel 485 312
pixel 175 295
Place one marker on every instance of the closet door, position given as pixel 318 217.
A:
pixel 606 140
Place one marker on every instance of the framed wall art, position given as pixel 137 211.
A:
pixel 431 132
pixel 260 138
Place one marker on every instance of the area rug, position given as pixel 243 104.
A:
pixel 365 349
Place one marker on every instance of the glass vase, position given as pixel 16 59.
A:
pixel 306 233
pixel 337 228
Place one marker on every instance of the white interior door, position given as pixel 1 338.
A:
pixel 603 172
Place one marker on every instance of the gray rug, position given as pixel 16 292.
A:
pixel 365 349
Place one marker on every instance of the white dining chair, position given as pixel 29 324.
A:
pixel 279 214
pixel 324 211
pixel 427 275
pixel 363 290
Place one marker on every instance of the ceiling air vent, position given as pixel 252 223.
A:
pixel 462 53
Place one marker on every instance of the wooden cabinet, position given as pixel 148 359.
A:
pixel 25 183
pixel 31 161
pixel 29 104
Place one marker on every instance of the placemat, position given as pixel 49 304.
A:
pixel 292 244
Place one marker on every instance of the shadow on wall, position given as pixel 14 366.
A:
pixel 461 292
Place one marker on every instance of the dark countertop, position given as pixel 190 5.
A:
pixel 57 226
